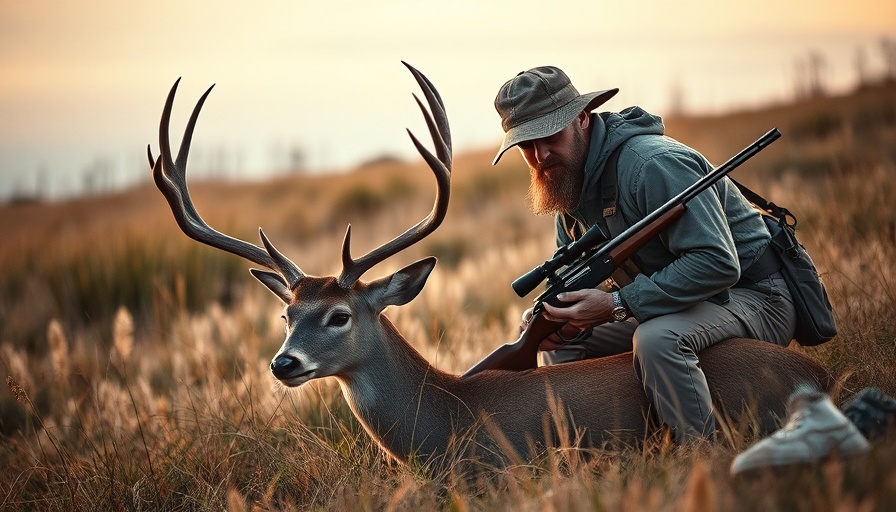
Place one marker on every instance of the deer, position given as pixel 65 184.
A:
pixel 335 327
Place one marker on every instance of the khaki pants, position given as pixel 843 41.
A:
pixel 665 349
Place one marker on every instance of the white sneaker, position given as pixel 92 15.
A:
pixel 815 430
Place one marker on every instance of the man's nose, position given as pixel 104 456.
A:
pixel 541 150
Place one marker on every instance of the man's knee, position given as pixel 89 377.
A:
pixel 652 341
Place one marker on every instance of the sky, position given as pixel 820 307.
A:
pixel 82 84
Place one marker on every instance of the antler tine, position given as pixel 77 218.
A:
pixel 170 176
pixel 437 122
pixel 440 132
pixel 289 270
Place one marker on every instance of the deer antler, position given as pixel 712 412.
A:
pixel 171 178
pixel 353 269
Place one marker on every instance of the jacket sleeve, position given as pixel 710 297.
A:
pixel 702 258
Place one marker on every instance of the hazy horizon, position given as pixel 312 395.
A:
pixel 82 85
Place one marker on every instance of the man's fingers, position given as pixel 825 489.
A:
pixel 573 295
pixel 527 315
pixel 552 342
pixel 575 300
pixel 560 314
pixel 568 331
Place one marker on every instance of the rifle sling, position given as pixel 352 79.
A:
pixel 630 268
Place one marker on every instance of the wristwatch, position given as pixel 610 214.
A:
pixel 619 311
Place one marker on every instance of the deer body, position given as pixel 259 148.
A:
pixel 336 328
pixel 420 412
pixel 412 409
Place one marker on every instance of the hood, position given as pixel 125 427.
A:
pixel 609 131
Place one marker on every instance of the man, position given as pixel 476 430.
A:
pixel 703 280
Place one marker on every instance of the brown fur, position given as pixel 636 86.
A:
pixel 506 416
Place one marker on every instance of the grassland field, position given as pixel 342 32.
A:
pixel 136 361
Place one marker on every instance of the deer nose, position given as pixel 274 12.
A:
pixel 284 366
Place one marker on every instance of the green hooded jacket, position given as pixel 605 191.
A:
pixel 701 254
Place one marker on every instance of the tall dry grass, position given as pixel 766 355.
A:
pixel 136 360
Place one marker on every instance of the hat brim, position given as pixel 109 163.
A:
pixel 554 121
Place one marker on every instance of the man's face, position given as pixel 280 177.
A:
pixel 556 168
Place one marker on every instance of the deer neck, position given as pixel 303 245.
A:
pixel 392 396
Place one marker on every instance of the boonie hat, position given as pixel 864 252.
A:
pixel 539 103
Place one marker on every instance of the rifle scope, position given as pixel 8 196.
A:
pixel 528 281
pixel 564 256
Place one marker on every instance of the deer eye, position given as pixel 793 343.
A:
pixel 339 319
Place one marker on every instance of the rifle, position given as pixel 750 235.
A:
pixel 589 261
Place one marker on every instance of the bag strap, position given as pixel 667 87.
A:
pixel 779 212
pixel 608 188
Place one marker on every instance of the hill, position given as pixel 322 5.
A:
pixel 821 135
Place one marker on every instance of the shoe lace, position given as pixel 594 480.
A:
pixel 793 425
pixel 797 413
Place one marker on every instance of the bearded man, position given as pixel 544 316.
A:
pixel 705 279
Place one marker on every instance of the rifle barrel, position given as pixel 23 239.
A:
pixel 732 163
pixel 699 186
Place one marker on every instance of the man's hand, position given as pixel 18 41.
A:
pixel 587 308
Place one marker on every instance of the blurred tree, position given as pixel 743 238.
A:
pixel 297 158
pixel 861 66
pixel 888 50
pixel 676 99
pixel 96 177
pixel 809 80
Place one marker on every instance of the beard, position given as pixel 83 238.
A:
pixel 561 192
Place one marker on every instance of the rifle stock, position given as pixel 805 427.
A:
pixel 521 354
pixel 586 266
pixel 627 248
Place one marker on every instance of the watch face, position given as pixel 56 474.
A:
pixel 619 314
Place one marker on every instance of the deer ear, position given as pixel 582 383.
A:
pixel 274 282
pixel 402 286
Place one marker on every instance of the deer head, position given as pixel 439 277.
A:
pixel 328 319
